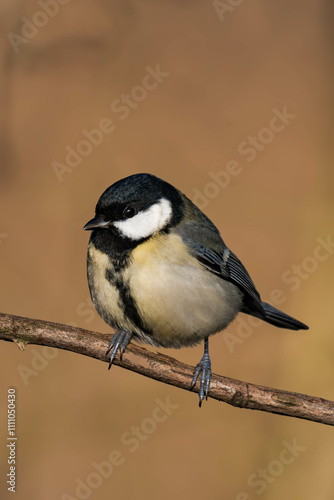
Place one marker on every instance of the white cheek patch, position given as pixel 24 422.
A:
pixel 147 222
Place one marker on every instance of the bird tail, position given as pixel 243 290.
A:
pixel 280 319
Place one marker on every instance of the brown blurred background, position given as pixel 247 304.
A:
pixel 227 72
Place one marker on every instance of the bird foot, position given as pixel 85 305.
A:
pixel 203 368
pixel 119 342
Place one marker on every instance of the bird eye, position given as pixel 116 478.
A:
pixel 129 212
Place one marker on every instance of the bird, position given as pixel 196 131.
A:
pixel 159 272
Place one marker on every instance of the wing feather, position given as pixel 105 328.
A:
pixel 225 264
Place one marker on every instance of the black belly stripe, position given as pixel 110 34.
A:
pixel 128 304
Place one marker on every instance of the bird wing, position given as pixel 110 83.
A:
pixel 221 261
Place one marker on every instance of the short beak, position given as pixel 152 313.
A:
pixel 99 222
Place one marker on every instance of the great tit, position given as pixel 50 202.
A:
pixel 159 272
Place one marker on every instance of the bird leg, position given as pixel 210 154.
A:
pixel 119 342
pixel 204 367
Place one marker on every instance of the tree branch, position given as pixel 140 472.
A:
pixel 160 367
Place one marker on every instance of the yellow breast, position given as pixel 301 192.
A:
pixel 179 300
pixel 105 295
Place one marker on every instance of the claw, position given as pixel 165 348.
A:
pixel 119 342
pixel 204 368
pixel 124 344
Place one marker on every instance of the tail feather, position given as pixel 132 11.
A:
pixel 280 319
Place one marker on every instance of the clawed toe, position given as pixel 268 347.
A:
pixel 119 342
pixel 203 368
